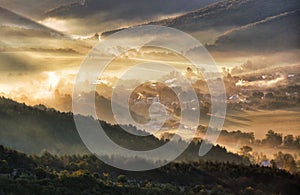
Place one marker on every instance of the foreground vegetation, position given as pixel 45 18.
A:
pixel 49 174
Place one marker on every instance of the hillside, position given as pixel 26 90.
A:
pixel 277 33
pixel 36 8
pixel 229 13
pixel 10 19
pixel 209 24
pixel 51 174
pixel 143 8
pixel 37 129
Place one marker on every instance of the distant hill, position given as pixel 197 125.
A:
pixel 240 24
pixel 119 9
pixel 21 37
pixel 10 19
pixel 276 33
pixel 15 27
pixel 37 129
pixel 33 8
pixel 102 15
pixel 229 13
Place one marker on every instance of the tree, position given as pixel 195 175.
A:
pixel 4 167
pixel 286 162
pixel 122 178
pixel 297 141
pixel 245 151
pixel 288 140
pixel 269 95
pixel 272 139
pixel 258 94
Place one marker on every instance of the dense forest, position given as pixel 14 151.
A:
pixel 85 174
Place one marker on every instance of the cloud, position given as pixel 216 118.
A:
pixel 262 83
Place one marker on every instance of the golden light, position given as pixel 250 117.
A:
pixel 55 24
pixel 53 80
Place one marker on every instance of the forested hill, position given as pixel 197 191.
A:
pixel 37 129
pixel 49 174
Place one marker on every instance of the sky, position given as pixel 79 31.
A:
pixel 43 43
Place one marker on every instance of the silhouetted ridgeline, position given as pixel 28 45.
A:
pixel 34 130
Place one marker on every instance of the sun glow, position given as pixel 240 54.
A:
pixel 53 80
pixel 48 87
pixel 55 24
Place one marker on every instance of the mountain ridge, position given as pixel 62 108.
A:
pixel 37 129
pixel 224 16
pixel 12 19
